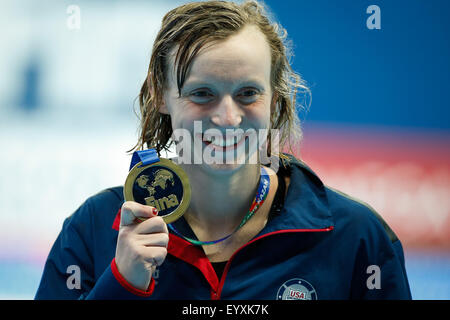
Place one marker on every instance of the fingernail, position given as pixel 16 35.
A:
pixel 155 212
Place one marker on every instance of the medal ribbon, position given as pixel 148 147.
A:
pixel 150 156
pixel 261 195
pixel 147 157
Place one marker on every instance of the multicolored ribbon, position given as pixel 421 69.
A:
pixel 261 195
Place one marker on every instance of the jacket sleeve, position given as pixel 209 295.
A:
pixel 379 272
pixel 69 272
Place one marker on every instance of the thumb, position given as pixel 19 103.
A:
pixel 133 213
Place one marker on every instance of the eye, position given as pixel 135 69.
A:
pixel 201 96
pixel 248 95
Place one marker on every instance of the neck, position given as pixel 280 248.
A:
pixel 220 202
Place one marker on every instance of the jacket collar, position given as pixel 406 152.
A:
pixel 306 205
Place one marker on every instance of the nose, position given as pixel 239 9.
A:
pixel 227 113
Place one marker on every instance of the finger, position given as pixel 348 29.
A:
pixel 153 225
pixel 153 239
pixel 155 255
pixel 131 211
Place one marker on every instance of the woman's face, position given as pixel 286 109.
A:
pixel 227 88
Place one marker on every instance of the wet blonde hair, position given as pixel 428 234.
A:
pixel 191 27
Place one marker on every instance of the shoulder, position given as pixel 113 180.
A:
pixel 349 213
pixel 99 209
pixel 107 199
pixel 357 212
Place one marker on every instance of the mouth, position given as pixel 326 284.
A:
pixel 223 143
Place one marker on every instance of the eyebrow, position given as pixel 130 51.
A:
pixel 190 84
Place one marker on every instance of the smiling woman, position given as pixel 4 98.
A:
pixel 221 73
pixel 218 72
pixel 191 28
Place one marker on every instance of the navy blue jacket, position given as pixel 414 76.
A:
pixel 317 244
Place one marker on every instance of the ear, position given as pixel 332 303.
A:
pixel 163 108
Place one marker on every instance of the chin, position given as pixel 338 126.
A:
pixel 228 168
pixel 222 169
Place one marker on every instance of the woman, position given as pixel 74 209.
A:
pixel 223 67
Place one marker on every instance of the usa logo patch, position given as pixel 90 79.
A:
pixel 296 289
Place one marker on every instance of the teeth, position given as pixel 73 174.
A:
pixel 225 143
pixel 220 141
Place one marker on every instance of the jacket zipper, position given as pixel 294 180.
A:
pixel 215 295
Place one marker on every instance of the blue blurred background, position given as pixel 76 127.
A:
pixel 377 127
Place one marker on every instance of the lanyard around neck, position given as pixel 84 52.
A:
pixel 261 195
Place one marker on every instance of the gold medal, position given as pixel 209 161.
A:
pixel 163 185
